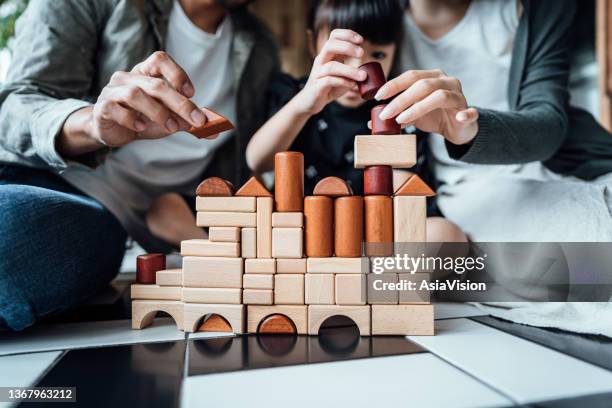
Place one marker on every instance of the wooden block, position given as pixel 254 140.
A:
pixel 289 182
pixel 253 188
pixel 147 266
pixel 287 242
pixel 378 180
pixel 319 226
pixel 257 314
pixel 264 227
pixel 319 289
pixel 410 218
pixel 417 296
pixel 289 289
pixel 337 265
pixel 154 292
pixel 257 281
pixel 378 225
pixel 378 293
pixel 260 265
pixel 144 311
pixel 225 219
pixel 215 187
pixel 212 295
pixel 288 219
pixel 351 289
pixel 348 223
pixel 405 320
pixel 277 324
pixel 226 204
pixel 169 277
pixel 397 151
pixel 383 127
pixel 374 80
pixel 257 297
pixel 212 272
pixel 248 242
pixel 317 314
pixel 215 323
pixel 214 125
pixel 233 314
pixel 415 186
pixel 293 265
pixel 224 234
pixel 332 187
pixel 203 247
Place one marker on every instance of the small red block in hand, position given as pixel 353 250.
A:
pixel 383 127
pixel 376 79
pixel 147 266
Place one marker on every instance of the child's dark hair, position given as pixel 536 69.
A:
pixel 378 21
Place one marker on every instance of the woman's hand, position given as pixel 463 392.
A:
pixel 433 102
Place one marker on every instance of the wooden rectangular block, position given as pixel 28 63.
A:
pixel 351 289
pixel 297 314
pixel 225 219
pixel 257 297
pixel 212 272
pixel 257 281
pixel 317 314
pixel 288 219
pixel 264 227
pixel 397 151
pixel 154 292
pixel 405 320
pixel 260 265
pixel 293 265
pixel 410 217
pixel 212 295
pixel 203 247
pixel 417 296
pixel 287 242
pixel 337 265
pixel 319 289
pixel 169 277
pixel 378 292
pixel 289 289
pixel 226 204
pixel 248 242
pixel 224 234
pixel 234 314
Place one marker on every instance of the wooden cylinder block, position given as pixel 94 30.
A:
pixel 147 266
pixel 348 221
pixel 378 180
pixel 383 127
pixel 289 181
pixel 375 79
pixel 378 225
pixel 319 226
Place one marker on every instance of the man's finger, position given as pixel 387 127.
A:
pixel 111 113
pixel 138 100
pixel 161 65
pixel 405 81
pixel 440 99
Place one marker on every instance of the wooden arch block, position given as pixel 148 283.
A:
pixel 332 187
pixel 215 187
pixel 215 124
pixel 253 188
pixel 317 314
pixel 415 186
pixel 144 311
pixel 233 314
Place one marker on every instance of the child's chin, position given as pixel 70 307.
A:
pixel 350 101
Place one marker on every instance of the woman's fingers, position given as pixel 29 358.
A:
pixel 335 68
pixel 161 65
pixel 336 47
pixel 346 35
pixel 440 99
pixel 405 81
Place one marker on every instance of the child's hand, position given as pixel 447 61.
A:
pixel 330 78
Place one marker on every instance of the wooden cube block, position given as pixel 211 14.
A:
pixel 351 289
pixel 319 289
pixel 203 247
pixel 287 242
pixel 264 227
pixel 169 277
pixel 378 291
pixel 212 272
pixel 260 265
pixel 297 314
pixel 249 242
pixel 293 265
pixel 289 289
pixel 154 292
pixel 317 314
pixel 225 219
pixel 288 219
pixel 337 265
pixel 144 311
pixel 397 151
pixel 257 297
pixel 212 295
pixel 405 320
pixel 226 204
pixel 257 281
pixel 417 296
pixel 224 234
pixel 410 217
pixel 234 314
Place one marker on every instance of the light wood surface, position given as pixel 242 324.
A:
pixel 382 297
pixel 224 234
pixel 225 219
pixel 257 281
pixel 319 289
pixel 155 292
pixel 257 297
pixel 289 289
pixel 226 204
pixel 287 242
pixel 212 272
pixel 350 289
pixel 264 227
pixel 248 238
pixel 260 265
pixel 288 219
pixel 203 247
pixel 317 314
pixel 337 265
pixel 397 151
pixel 212 295
pixel 410 219
pixel 294 265
pixel 169 277
pixel 405 320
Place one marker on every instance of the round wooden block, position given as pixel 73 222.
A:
pixel 348 222
pixel 277 324
pixel 383 127
pixel 319 226
pixel 216 187
pixel 375 79
pixel 378 180
pixel 332 187
pixel 378 225
pixel 147 266
pixel 289 181
pixel 215 323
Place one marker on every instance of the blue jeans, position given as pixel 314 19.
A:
pixel 57 246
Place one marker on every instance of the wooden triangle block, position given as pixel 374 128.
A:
pixel 215 187
pixel 214 125
pixel 332 187
pixel 415 186
pixel 253 188
pixel 215 323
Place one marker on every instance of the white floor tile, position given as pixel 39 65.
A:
pixel 453 310
pixel 208 335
